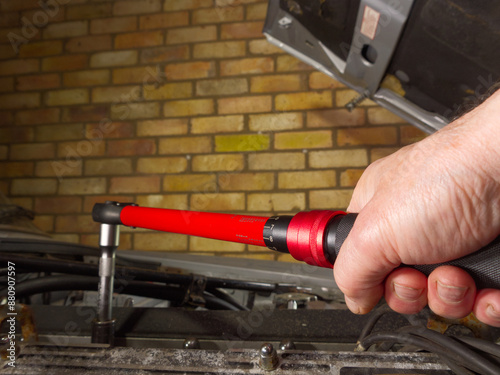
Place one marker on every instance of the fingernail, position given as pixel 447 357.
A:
pixel 406 293
pixel 352 305
pixel 492 313
pixel 451 294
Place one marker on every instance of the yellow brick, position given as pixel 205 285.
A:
pixel 219 50
pixel 139 39
pixel 29 151
pixel 168 91
pixel 86 78
pixel 185 145
pixel 68 150
pixel 318 81
pixel 190 183
pixel 381 116
pixel 82 186
pixel 411 134
pixel 263 47
pixel 350 177
pixel 219 87
pixel 335 117
pixel 24 100
pixel 66 237
pixel 275 122
pixel 190 70
pixel 36 49
pixel 171 201
pixel 276 83
pixel 33 186
pixel 330 199
pixel 338 158
pixel 213 163
pixel 249 104
pixel 304 100
pixel 132 111
pixel 191 34
pixel 113 58
pixel 222 202
pixel 67 97
pixel 160 242
pixel 379 153
pixel 257 11
pixel 207 244
pixel 111 94
pixel 306 180
pixel 136 6
pixel 367 136
pixel 217 15
pixel 16 169
pixel 164 20
pixel 142 75
pixel 217 124
pixel 162 127
pixel 277 161
pixel 136 184
pixel 241 30
pixel 172 5
pixel 342 97
pixel 288 63
pixel 108 166
pixel 7 84
pixel 246 181
pixel 258 65
pixel 58 169
pixel 65 29
pixel 235 143
pixel 310 139
pixel 230 3
pixel 162 165
pixel 44 223
pixel 76 223
pixel 58 132
pixel 277 202
pixel 183 108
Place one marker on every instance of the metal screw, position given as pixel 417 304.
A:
pixel 287 344
pixel 191 343
pixel 269 360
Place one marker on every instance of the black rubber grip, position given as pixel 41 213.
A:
pixel 483 265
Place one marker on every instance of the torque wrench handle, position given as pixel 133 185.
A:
pixel 314 237
pixel 483 265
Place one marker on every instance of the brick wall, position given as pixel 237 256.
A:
pixel 176 104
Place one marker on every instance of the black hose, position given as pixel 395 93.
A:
pixel 27 246
pixel 226 297
pixel 419 342
pixel 483 345
pixel 130 273
pixel 450 351
pixel 374 317
pixel 480 363
pixel 138 288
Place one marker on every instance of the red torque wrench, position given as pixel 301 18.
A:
pixel 314 237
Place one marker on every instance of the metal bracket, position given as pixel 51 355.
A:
pixel 194 293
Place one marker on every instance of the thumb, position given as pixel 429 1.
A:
pixel 362 266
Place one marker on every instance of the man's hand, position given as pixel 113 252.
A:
pixel 430 202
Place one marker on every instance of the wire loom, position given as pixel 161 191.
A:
pixel 462 354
